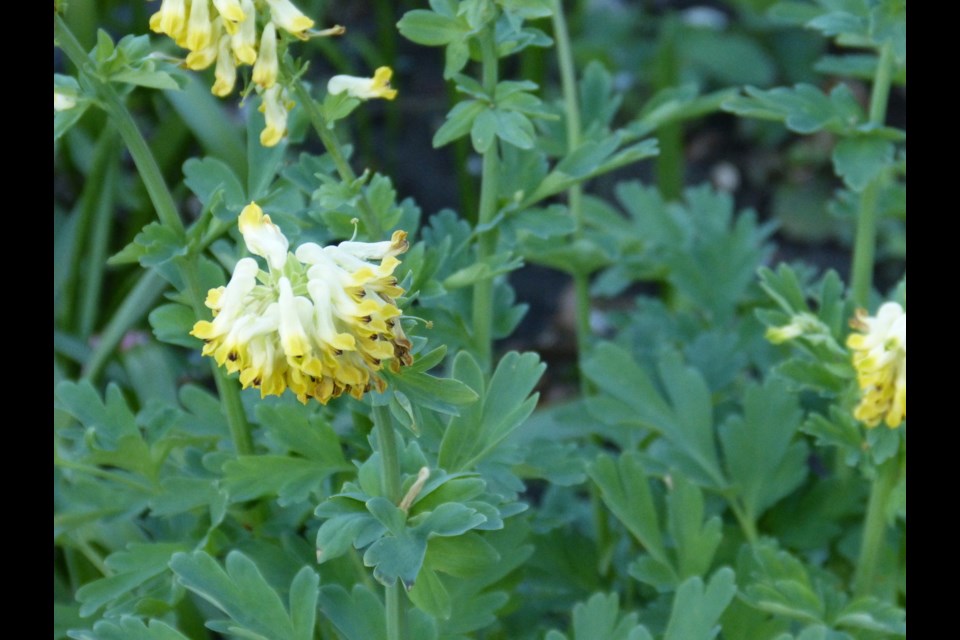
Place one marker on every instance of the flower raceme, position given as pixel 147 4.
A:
pixel 880 358
pixel 201 25
pixel 321 321
pixel 225 32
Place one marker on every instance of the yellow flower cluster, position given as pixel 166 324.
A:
pixel 225 32
pixel 321 321
pixel 880 358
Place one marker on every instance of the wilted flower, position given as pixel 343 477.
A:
pixel 880 358
pixel 364 88
pixel 321 321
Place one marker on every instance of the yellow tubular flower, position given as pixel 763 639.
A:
pixel 232 13
pixel 262 236
pixel 319 323
pixel 289 18
pixel 171 19
pixel 880 358
pixel 364 88
pixel 274 108
pixel 203 58
pixel 244 41
pixel 227 302
pixel 226 71
pixel 199 29
pixel 267 66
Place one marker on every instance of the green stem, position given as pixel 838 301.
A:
pixel 746 521
pixel 669 162
pixel 395 612
pixel 865 243
pixel 581 280
pixel 166 210
pixel 866 236
pixel 391 486
pixel 93 557
pixel 489 188
pixel 875 526
pixel 99 241
pixel 328 137
pixel 389 453
pixel 880 93
pixel 461 151
pixel 227 388
pixel 85 225
pixel 140 299
pixel 119 116
pixel 568 79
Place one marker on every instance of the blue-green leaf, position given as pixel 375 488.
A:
pixel 697 607
pixel 505 404
pixel 860 159
pixel 762 457
pixel 430 28
pixel 129 628
pixel 244 595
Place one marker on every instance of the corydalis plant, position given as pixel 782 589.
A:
pixel 321 321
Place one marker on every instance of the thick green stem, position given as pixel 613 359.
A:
pixel 487 238
pixel 880 93
pixel 461 150
pixel 875 526
pixel 331 143
pixel 866 237
pixel 389 454
pixel 568 77
pixel 865 244
pixel 666 75
pixel 166 210
pixel 581 281
pixel 99 240
pixel 395 613
pixel 391 485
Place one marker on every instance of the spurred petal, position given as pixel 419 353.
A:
pixel 262 237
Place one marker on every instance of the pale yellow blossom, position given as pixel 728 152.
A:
pixel 364 88
pixel 267 66
pixel 880 358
